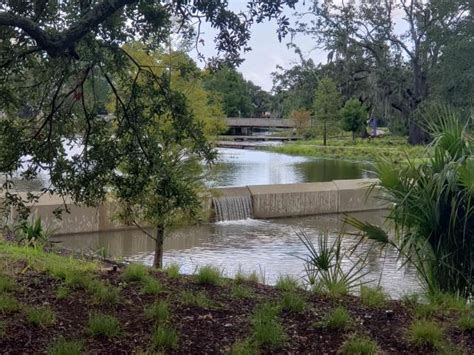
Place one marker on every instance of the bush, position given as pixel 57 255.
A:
pixel 208 275
pixel 40 316
pixel 135 273
pixel 423 332
pixel 292 302
pixel 359 345
pixel 65 347
pixel 267 331
pixel 338 318
pixel 32 233
pixel 158 311
pixel 103 325
pixel 164 337
pixel 8 304
pixel 372 297
pixel 286 283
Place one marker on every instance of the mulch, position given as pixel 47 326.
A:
pixel 204 330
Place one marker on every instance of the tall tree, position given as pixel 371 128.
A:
pixel 327 102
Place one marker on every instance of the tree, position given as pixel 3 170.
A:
pixel 354 116
pixel 301 120
pixel 327 102
pixel 53 54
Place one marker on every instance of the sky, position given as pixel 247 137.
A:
pixel 267 51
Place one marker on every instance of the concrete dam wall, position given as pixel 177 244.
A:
pixel 290 200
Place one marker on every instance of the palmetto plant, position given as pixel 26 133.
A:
pixel 433 213
pixel 32 232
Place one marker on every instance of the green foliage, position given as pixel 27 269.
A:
pixel 198 299
pixel 7 284
pixel 103 294
pixel 172 270
pixel 241 291
pixel 466 322
pixel 372 297
pixel 338 319
pixel 209 275
pixel 354 116
pixel 65 347
pixel 266 329
pixel 62 292
pixel 103 325
pixel 135 273
pixel 158 311
pixel 151 286
pixel 244 347
pixel 40 316
pixel 32 232
pixel 8 304
pixel 359 345
pixel 292 302
pixel 424 332
pixel 164 338
pixel 327 102
pixel 3 329
pixel 286 283
pixel 240 277
pixel 77 279
pixel 433 216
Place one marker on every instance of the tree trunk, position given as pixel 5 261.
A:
pixel 160 236
pixel 324 133
pixel 353 137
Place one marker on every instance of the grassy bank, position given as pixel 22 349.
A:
pixel 394 149
pixel 61 305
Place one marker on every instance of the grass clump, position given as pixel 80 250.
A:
pixel 172 270
pixel 334 289
pixel 359 345
pixel 7 284
pixel 244 347
pixel 3 329
pixel 158 311
pixel 241 291
pixel 286 283
pixel 103 325
pixel 424 332
pixel 292 302
pixel 8 304
pixel 338 318
pixel 208 275
pixel 135 273
pixel 151 286
pixel 164 337
pixel 267 331
pixel 198 299
pixel 241 277
pixel 62 292
pixel 466 322
pixel 40 317
pixel 372 297
pixel 103 294
pixel 65 347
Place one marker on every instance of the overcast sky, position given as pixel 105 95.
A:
pixel 267 52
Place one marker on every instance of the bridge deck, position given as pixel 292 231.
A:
pixel 259 122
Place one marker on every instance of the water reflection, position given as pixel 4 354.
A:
pixel 269 247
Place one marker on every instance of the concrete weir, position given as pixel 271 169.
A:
pixel 289 200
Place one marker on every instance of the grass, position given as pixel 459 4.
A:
pixel 103 294
pixel 172 270
pixel 241 291
pixel 40 316
pixel 8 304
pixel 373 297
pixel 424 332
pixel 438 303
pixel 7 284
pixel 77 279
pixel 158 311
pixel 241 277
pixel 135 273
pixel 466 322
pixel 266 329
pixel 62 292
pixel 164 337
pixel 339 319
pixel 359 345
pixel 198 299
pixel 151 286
pixel 208 275
pixel 286 283
pixel 292 302
pixel 65 347
pixel 103 325
pixel 3 329
pixel 335 289
pixel 244 347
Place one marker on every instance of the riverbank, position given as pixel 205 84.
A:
pixel 62 305
pixel 394 149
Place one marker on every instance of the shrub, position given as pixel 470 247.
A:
pixel 198 299
pixel 32 233
pixel 358 345
pixel 292 302
pixel 65 347
pixel 7 284
pixel 164 337
pixel 267 331
pixel 172 270
pixel 208 275
pixel 158 311
pixel 40 316
pixel 151 286
pixel 286 283
pixel 372 297
pixel 466 322
pixel 135 272
pixel 424 332
pixel 8 304
pixel 103 325
pixel 338 318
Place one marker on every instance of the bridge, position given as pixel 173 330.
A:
pixel 259 122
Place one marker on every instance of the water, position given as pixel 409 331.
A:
pixel 232 208
pixel 269 247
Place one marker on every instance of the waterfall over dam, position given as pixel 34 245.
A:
pixel 232 208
